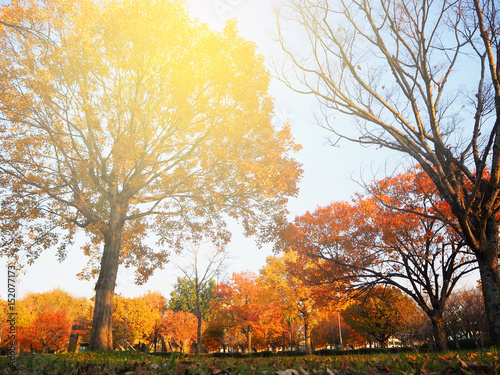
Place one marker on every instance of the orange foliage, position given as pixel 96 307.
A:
pixel 380 313
pixel 122 118
pixel 135 319
pixel 35 312
pixel 403 235
pixel 250 319
pixel 327 333
pixel 49 331
pixel 291 280
pixel 179 330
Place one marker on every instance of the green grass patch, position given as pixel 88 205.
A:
pixel 129 363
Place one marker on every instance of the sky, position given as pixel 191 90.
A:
pixel 330 173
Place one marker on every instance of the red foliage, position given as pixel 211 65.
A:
pixel 49 331
pixel 249 318
pixel 178 330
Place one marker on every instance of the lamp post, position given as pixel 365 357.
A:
pixel 340 331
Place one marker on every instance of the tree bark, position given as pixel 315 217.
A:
pixel 439 331
pixel 198 317
pixel 307 337
pixel 249 340
pixel 490 278
pixel 198 336
pixel 101 337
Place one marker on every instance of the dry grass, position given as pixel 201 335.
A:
pixel 129 363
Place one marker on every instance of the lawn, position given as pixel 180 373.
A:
pixel 130 363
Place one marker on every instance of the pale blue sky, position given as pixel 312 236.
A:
pixel 326 177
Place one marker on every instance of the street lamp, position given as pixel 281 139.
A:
pixel 340 331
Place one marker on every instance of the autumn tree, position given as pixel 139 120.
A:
pixel 417 329
pixel 379 314
pixel 179 330
pixel 198 299
pixel 129 119
pixel 195 292
pixel 49 331
pixel 4 326
pixel 123 334
pixel 218 334
pixel 333 331
pixel 419 77
pixel 45 319
pixel 78 310
pixel 465 316
pixel 391 237
pixel 287 278
pixel 240 307
pixel 245 310
pixel 156 303
pixel 137 320
pixel 424 257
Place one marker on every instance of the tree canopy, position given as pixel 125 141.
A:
pixel 380 313
pixel 390 237
pixel 133 122
pixel 419 77
pixel 183 296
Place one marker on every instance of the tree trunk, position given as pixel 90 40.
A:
pixel 307 337
pixel 101 337
pixel 490 278
pixel 198 317
pixel 439 331
pixel 198 336
pixel 249 341
pixel 185 346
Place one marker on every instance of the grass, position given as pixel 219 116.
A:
pixel 130 363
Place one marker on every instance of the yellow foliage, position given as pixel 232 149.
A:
pixel 115 107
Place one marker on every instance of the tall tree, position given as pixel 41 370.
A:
pixel 366 243
pixel 183 297
pixel 420 77
pixel 243 309
pixel 287 277
pixel 197 296
pixel 129 118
